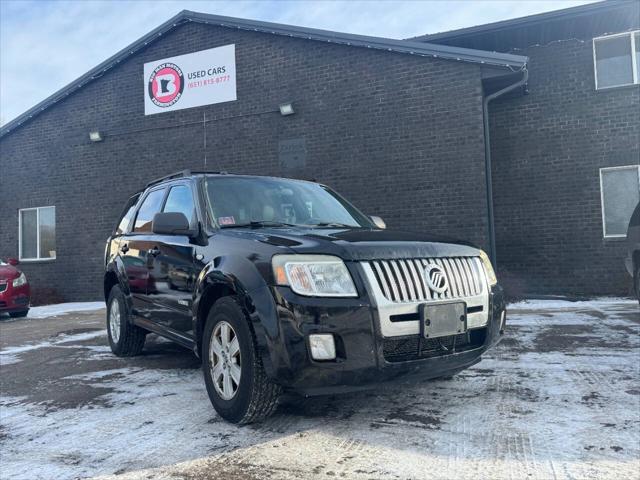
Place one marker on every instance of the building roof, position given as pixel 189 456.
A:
pixel 528 21
pixel 418 48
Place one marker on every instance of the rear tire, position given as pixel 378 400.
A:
pixel 20 314
pixel 125 338
pixel 237 384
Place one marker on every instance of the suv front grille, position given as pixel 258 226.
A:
pixel 410 347
pixel 403 280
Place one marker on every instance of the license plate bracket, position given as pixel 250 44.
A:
pixel 443 319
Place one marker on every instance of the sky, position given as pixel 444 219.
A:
pixel 44 45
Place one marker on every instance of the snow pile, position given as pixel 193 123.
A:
pixel 62 308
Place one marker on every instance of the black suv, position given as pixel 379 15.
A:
pixel 282 284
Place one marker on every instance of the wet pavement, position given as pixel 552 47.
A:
pixel 558 398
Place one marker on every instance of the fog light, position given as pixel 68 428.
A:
pixel 323 347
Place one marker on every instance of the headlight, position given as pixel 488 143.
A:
pixel 21 280
pixel 314 275
pixel 488 268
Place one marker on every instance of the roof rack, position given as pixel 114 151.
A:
pixel 182 174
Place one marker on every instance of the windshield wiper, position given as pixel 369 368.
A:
pixel 259 224
pixel 332 224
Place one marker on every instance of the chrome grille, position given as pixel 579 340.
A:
pixel 403 280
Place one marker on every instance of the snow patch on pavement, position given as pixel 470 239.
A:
pixel 10 355
pixel 597 303
pixel 62 308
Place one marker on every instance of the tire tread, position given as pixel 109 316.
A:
pixel 132 337
pixel 264 394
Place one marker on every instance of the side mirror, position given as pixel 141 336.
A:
pixel 378 222
pixel 13 261
pixel 171 223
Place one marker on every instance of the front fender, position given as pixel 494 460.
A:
pixel 242 278
pixel 116 267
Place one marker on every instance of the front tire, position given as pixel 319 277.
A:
pixel 125 338
pixel 237 384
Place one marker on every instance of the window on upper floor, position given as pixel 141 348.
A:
pixel 620 193
pixel 617 60
pixel 37 232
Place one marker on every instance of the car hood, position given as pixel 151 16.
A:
pixel 8 272
pixel 361 244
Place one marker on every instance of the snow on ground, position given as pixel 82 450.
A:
pixel 11 354
pixel 558 398
pixel 62 308
pixel 596 303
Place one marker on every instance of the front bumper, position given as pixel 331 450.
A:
pixel 365 357
pixel 14 299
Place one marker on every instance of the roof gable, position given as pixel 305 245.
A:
pixel 543 27
pixel 399 46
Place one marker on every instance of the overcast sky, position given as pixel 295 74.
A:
pixel 44 45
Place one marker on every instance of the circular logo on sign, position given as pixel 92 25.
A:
pixel 166 84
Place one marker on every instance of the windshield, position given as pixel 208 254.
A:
pixel 235 201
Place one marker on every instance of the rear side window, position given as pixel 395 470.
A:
pixel 127 215
pixel 180 200
pixel 150 206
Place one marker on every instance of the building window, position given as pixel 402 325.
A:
pixel 617 60
pixel 620 193
pixel 37 232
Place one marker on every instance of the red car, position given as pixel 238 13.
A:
pixel 15 295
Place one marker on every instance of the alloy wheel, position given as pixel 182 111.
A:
pixel 225 361
pixel 114 321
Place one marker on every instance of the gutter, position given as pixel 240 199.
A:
pixel 487 157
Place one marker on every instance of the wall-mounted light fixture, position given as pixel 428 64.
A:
pixel 286 109
pixel 95 136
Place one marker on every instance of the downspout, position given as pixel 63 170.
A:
pixel 487 158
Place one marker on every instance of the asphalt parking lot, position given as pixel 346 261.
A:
pixel 558 398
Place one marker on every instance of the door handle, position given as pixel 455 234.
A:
pixel 154 252
pixel 124 248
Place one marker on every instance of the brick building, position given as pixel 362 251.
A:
pixel 397 126
pixel 566 155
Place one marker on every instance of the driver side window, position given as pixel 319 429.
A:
pixel 150 206
pixel 180 200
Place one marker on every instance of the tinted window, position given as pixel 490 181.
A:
pixel 635 218
pixel 47 225
pixel 180 200
pixel 613 61
pixel 127 215
pixel 150 206
pixel 29 233
pixel 38 233
pixel 620 195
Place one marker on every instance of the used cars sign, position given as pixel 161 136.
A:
pixel 191 80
